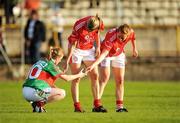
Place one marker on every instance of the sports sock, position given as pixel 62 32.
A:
pixel 77 105
pixel 119 104
pixel 40 103
pixel 97 103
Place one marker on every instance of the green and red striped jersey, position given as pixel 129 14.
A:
pixel 42 75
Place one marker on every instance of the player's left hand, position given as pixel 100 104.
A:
pixel 135 53
pixel 88 69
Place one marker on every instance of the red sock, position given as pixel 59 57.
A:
pixel 119 103
pixel 97 103
pixel 40 103
pixel 77 105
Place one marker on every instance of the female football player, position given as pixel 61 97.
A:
pixel 39 87
pixel 85 32
pixel 112 51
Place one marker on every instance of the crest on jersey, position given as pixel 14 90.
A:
pixel 75 58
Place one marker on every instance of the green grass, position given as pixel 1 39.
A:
pixel 147 102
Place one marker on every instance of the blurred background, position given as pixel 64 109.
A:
pixel 156 24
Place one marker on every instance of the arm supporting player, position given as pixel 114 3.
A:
pixel 98 60
pixel 71 47
pixel 97 44
pixel 72 77
pixel 135 52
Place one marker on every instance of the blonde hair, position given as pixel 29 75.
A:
pixel 125 29
pixel 94 22
pixel 55 52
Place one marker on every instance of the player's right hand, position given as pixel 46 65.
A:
pixel 82 73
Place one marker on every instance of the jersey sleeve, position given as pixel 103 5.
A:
pixel 73 37
pixel 107 43
pixel 52 69
pixel 101 25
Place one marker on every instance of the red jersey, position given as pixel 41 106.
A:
pixel 85 40
pixel 113 44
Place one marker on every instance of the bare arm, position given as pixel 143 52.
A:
pixel 72 77
pixel 98 44
pixel 98 60
pixel 135 52
pixel 70 51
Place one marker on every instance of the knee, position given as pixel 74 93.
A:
pixel 104 79
pixel 95 76
pixel 63 93
pixel 120 81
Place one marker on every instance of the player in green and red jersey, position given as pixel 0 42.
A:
pixel 39 87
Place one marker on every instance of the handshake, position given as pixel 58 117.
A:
pixel 84 72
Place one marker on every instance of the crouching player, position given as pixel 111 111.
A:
pixel 113 52
pixel 39 87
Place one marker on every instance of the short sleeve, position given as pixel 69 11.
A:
pixel 52 69
pixel 73 37
pixel 107 43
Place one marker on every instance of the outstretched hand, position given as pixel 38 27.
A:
pixel 88 69
pixel 82 73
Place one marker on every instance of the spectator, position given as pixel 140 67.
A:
pixel 92 5
pixel 8 9
pixel 34 34
pixel 1 35
pixel 32 4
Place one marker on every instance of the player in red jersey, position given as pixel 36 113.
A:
pixel 112 52
pixel 86 32
pixel 39 87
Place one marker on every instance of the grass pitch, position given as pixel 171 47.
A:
pixel 147 102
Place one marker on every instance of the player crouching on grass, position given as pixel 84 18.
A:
pixel 39 87
pixel 112 50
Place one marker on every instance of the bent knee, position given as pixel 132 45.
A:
pixel 104 79
pixel 94 76
pixel 63 93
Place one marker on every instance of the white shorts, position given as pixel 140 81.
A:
pixel 79 55
pixel 31 94
pixel 117 61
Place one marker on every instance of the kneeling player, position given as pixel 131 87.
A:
pixel 39 87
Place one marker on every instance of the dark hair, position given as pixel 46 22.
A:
pixel 34 12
